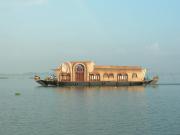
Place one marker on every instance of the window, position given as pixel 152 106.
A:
pixel 98 77
pixel 94 77
pixel 105 76
pixel 125 77
pixel 122 77
pixel 134 75
pixel 65 77
pixel 111 76
pixel 119 77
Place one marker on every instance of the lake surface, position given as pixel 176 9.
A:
pixel 88 111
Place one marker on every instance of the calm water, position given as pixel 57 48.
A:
pixel 88 111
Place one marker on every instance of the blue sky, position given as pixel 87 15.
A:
pixel 38 35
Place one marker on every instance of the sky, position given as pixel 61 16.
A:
pixel 38 35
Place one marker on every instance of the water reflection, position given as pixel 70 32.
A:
pixel 104 88
pixel 127 88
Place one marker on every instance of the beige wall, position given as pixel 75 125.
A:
pixel 140 74
pixel 90 68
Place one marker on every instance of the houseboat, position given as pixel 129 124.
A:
pixel 87 73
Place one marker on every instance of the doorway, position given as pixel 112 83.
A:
pixel 79 72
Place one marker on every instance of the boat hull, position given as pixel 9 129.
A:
pixel 62 84
pixel 46 83
pixel 100 83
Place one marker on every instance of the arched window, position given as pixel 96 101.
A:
pixel 122 77
pixel 111 76
pixel 125 77
pixel 94 77
pixel 65 77
pixel 134 75
pixel 119 77
pixel 98 77
pixel 105 76
pixel 91 77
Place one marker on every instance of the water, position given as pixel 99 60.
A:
pixel 88 111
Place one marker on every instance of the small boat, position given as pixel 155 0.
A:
pixel 86 73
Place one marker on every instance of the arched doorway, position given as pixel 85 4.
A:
pixel 79 72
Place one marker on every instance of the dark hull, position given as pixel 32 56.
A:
pixel 61 84
pixel 100 83
pixel 47 83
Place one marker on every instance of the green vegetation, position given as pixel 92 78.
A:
pixel 17 94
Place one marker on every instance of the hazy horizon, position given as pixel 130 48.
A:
pixel 38 35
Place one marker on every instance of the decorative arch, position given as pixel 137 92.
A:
pixel 64 72
pixel 79 72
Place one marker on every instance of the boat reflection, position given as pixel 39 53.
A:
pixel 128 88
pixel 100 88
